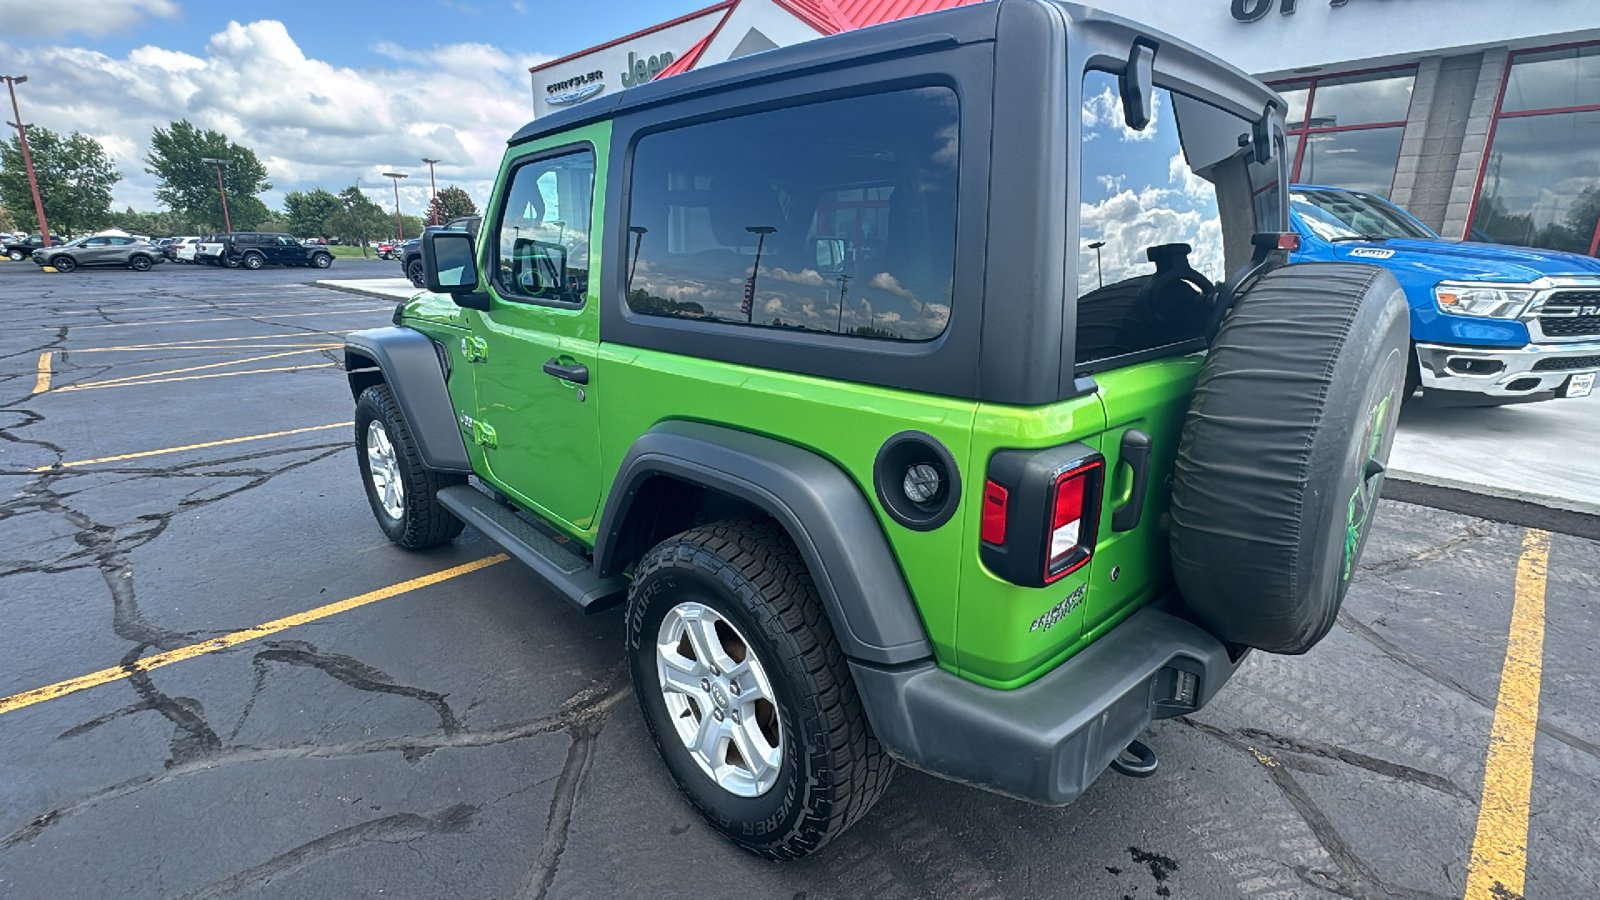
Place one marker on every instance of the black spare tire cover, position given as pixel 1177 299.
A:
pixel 1283 452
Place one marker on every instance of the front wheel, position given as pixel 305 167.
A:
pixel 403 493
pixel 415 273
pixel 16 256
pixel 63 263
pixel 746 692
pixel 229 262
pixel 322 260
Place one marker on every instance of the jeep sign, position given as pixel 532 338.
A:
pixel 1252 10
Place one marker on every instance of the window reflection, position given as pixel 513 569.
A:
pixel 544 230
pixel 1541 184
pixel 832 217
pixel 1361 100
pixel 1166 212
pixel 1553 79
pixel 1362 160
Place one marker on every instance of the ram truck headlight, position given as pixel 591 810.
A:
pixel 1493 301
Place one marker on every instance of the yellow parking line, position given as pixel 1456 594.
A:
pixel 42 382
pixel 92 387
pixel 162 345
pixel 237 440
pixel 117 673
pixel 109 382
pixel 340 312
pixel 1500 849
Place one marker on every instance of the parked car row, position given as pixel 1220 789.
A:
pixel 410 252
pixel 238 249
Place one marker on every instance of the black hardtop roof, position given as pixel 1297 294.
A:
pixel 973 23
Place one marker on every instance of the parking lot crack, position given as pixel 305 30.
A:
pixel 1472 531
pixel 399 828
pixel 356 674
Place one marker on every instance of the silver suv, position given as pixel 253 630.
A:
pixel 102 250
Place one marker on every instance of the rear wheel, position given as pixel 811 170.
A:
pixel 252 261
pixel 140 264
pixel 746 691
pixel 402 492
pixel 415 273
pixel 63 263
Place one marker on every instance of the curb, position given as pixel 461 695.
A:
pixel 1526 510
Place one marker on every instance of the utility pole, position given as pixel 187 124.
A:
pixel 434 185
pixel 749 304
pixel 27 159
pixel 227 221
pixel 399 223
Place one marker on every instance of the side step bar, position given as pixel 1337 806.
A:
pixel 569 573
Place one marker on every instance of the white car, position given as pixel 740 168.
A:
pixel 183 249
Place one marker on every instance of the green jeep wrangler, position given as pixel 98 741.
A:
pixel 935 393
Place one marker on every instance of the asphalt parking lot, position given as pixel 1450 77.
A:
pixel 217 678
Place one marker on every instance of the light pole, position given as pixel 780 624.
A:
pixel 434 186
pixel 27 159
pixel 1095 246
pixel 749 304
pixel 399 224
pixel 227 221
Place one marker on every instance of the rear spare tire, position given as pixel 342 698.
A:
pixel 1284 449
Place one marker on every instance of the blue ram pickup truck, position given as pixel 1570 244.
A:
pixel 1490 324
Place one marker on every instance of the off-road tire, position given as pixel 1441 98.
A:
pixel 140 264
pixel 423 521
pixel 414 272
pixel 253 261
pixel 1283 451
pixel 63 263
pixel 833 770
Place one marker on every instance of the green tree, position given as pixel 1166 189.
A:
pixel 357 219
pixel 7 222
pixel 156 224
pixel 75 178
pixel 188 186
pixel 307 211
pixel 452 203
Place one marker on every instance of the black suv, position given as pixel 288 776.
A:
pixel 22 248
pixel 254 249
pixel 411 251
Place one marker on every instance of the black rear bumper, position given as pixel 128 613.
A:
pixel 1047 741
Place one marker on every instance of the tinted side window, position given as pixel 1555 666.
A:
pixel 1166 213
pixel 543 249
pixel 834 217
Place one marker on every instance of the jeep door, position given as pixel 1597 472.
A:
pixel 1166 212
pixel 534 350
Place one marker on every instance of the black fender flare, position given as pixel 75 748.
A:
pixel 406 360
pixel 841 540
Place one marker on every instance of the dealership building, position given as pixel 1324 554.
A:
pixel 1480 117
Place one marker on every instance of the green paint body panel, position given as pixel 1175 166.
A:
pixel 556 450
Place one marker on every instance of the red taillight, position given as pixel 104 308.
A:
pixel 1289 242
pixel 1073 521
pixel 994 513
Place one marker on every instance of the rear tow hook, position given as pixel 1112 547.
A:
pixel 1135 761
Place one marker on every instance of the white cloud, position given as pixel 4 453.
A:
pixel 312 123
pixel 1105 108
pixel 29 18
pixel 1130 223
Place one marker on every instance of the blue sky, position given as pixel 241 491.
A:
pixel 327 93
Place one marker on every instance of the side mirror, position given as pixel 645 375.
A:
pixel 830 253
pixel 447 263
pixel 1139 86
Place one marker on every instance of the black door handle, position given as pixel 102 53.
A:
pixel 1136 453
pixel 577 373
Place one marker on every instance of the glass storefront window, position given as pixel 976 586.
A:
pixel 1541 186
pixel 1361 99
pixel 1350 127
pixel 1361 160
pixel 1553 79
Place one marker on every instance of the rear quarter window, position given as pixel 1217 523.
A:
pixel 836 217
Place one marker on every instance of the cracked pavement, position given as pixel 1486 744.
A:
pixel 477 737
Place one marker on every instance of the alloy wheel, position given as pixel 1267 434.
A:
pixel 384 471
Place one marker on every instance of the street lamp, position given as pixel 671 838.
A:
pixel 434 185
pixel 27 159
pixel 748 307
pixel 1095 246
pixel 227 221
pixel 399 224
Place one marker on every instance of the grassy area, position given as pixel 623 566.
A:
pixel 341 251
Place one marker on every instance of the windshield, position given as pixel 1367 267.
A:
pixel 1353 216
